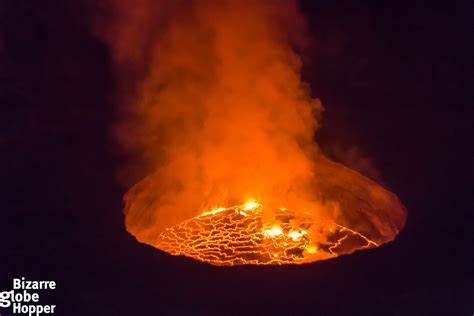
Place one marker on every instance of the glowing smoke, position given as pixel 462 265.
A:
pixel 213 107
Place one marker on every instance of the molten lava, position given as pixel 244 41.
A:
pixel 240 235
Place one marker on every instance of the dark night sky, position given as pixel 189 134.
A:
pixel 396 80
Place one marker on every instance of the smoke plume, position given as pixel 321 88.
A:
pixel 213 107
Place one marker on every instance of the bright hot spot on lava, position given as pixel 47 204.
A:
pixel 240 235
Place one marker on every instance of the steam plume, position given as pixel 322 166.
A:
pixel 213 106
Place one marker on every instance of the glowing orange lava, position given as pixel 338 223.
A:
pixel 240 235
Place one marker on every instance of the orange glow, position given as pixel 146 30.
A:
pixel 213 112
pixel 217 210
pixel 250 205
pixel 297 234
pixel 272 232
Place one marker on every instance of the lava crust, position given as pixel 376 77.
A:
pixel 240 235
